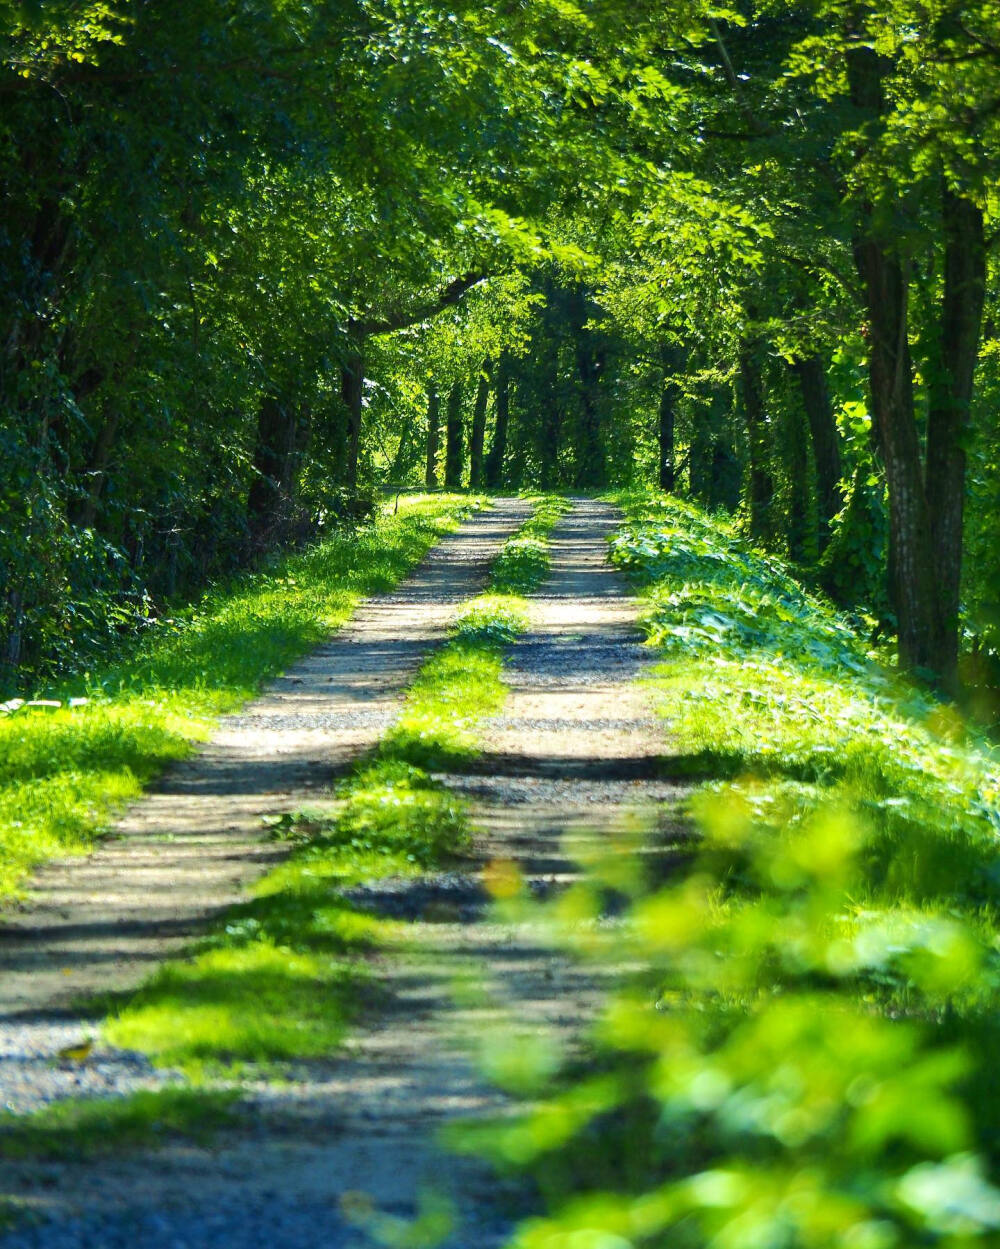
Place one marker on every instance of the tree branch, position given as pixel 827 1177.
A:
pixel 402 320
pixel 735 83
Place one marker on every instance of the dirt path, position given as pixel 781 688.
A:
pixel 574 755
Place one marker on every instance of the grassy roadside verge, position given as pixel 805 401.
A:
pixel 64 771
pixel 281 978
pixel 805 1054
pixel 759 677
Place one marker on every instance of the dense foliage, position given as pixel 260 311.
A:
pixel 66 763
pixel 258 259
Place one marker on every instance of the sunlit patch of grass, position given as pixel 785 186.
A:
pixel 246 1002
pixel 280 978
pixel 85 1128
pixel 64 772
pixel 390 817
pixel 524 561
pixel 395 809
pixel 455 689
pixel 761 677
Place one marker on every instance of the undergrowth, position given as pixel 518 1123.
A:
pixel 760 677
pixel 64 770
pixel 799 1047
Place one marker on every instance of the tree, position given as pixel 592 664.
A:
pixel 477 431
pixel 454 437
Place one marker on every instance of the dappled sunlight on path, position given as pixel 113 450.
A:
pixel 184 852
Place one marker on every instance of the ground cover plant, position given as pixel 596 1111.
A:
pixel 65 769
pixel 88 1128
pixel 807 1055
pixel 761 676
pixel 283 975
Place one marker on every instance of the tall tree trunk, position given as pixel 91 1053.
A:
pixel 551 437
pixel 811 376
pixel 273 461
pixel 724 484
pixel 493 472
pixel 552 432
pixel 670 358
pixel 761 482
pixel 890 376
pixel 401 461
pixel 590 356
pixel 924 636
pixel 352 389
pixel 591 469
pixel 707 437
pixel 950 386
pixel 478 435
pixel 797 459
pixel 433 438
pixel 453 445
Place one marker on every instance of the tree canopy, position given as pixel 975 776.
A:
pixel 258 260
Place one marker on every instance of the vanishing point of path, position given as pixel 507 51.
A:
pixel 572 760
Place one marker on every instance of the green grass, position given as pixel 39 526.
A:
pixel 64 772
pixel 282 977
pixel 461 684
pixel 523 564
pixel 246 1000
pixel 88 1128
pixel 761 678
